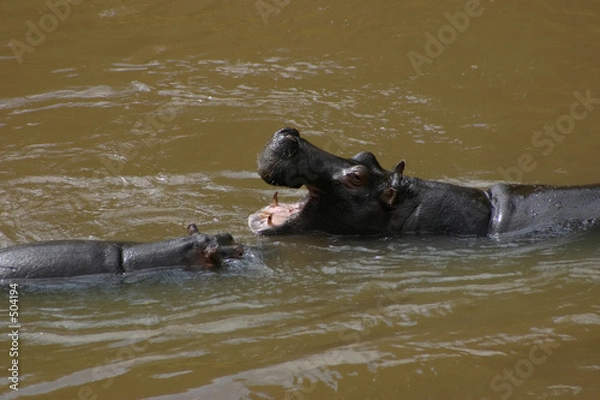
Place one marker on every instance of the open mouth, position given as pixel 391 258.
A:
pixel 289 161
pixel 277 217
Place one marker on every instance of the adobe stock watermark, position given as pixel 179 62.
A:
pixel 13 334
pixel 546 140
pixel 57 11
pixel 308 379
pixel 446 35
pixel 112 366
pixel 504 384
pixel 152 123
pixel 266 8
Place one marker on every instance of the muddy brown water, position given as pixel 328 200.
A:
pixel 128 120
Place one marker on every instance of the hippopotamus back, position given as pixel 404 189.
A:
pixel 518 208
pixel 60 258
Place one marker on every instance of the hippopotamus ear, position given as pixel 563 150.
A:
pixel 399 168
pixel 192 229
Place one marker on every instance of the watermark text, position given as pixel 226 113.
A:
pixel 13 327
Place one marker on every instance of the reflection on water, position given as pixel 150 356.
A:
pixel 131 121
pixel 415 306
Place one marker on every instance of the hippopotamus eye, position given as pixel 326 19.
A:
pixel 357 176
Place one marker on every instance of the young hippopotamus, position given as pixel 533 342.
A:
pixel 67 258
pixel 356 196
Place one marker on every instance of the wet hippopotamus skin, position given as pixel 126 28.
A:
pixel 356 196
pixel 68 258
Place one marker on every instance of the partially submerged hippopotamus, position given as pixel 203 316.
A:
pixel 67 258
pixel 357 196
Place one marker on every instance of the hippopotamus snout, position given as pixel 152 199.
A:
pixel 284 144
pixel 287 138
pixel 215 255
pixel 282 151
pixel 212 251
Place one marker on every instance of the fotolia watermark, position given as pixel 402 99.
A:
pixel 446 35
pixel 505 383
pixel 552 133
pixel 58 11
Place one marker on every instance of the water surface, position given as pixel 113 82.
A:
pixel 130 120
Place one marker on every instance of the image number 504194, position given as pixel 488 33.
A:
pixel 13 301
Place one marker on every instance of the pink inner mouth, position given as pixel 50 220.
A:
pixel 274 215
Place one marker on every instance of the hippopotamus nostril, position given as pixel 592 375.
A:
pixel 292 138
pixel 238 251
pixel 289 131
pixel 212 256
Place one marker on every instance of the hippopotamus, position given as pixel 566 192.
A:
pixel 68 258
pixel 356 196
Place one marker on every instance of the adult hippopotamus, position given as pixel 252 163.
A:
pixel 356 196
pixel 67 258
